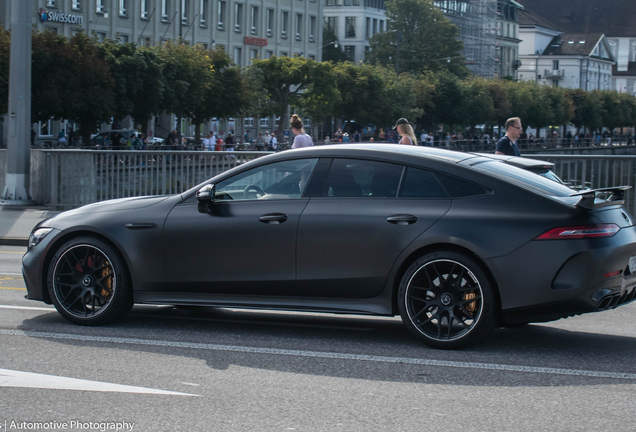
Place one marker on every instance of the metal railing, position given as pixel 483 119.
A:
pixel 596 171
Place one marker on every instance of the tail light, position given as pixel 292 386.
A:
pixel 580 232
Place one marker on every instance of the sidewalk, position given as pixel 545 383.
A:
pixel 16 223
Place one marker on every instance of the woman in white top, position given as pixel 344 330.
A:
pixel 405 130
pixel 301 139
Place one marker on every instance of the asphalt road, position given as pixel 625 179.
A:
pixel 206 369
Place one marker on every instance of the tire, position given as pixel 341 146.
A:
pixel 89 283
pixel 446 300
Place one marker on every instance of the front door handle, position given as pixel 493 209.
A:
pixel 402 219
pixel 273 218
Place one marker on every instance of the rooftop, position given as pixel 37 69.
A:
pixel 573 44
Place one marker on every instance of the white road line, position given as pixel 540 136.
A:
pixel 11 378
pixel 27 308
pixel 10 274
pixel 329 355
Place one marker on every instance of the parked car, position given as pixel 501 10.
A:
pixel 98 140
pixel 455 243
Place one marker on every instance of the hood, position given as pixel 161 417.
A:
pixel 117 204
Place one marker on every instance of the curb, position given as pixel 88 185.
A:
pixel 14 241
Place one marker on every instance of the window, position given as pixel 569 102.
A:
pixel 144 9
pixel 367 29
pixel 381 25
pixel 269 54
pixel 249 121
pixel 270 22
pixel 347 2
pixel 123 39
pixel 350 52
pixel 555 64
pixel 283 27
pixel 299 26
pixel 332 23
pixel 50 3
pixel 421 184
pixel 254 20
pixel 101 36
pixel 283 54
pixel 350 27
pixel 204 13
pixel 45 129
pixel 123 10
pixel 76 5
pixel 184 11
pixel 359 178
pixel 281 180
pixel 237 56
pixel 221 15
pixel 375 26
pixel 312 28
pixel 265 120
pixel 99 6
pixel 253 56
pixel 164 10
pixel 238 15
pixel 329 2
pixel 312 57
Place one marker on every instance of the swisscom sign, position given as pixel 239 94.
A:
pixel 60 17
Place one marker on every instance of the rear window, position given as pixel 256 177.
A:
pixel 460 188
pixel 524 178
pixel 421 184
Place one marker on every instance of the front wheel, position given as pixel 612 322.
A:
pixel 88 282
pixel 446 300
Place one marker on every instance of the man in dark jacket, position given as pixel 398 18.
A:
pixel 507 145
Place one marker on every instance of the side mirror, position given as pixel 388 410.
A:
pixel 205 198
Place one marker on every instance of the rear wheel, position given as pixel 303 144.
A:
pixel 89 283
pixel 446 300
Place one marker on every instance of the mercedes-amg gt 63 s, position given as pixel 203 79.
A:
pixel 455 243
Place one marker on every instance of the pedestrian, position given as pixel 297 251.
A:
pixel 273 142
pixel 423 137
pixel 508 144
pixel 260 142
pixel 345 138
pixel 171 140
pixel 301 139
pixel 33 134
pixel 229 142
pixel 405 130
pixel 219 143
pixel 448 140
pixel 208 142
pixel 62 140
pixel 327 140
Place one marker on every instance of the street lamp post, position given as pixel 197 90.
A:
pixel 16 190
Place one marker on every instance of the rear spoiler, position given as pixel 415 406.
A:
pixel 588 197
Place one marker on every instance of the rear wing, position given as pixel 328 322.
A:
pixel 588 197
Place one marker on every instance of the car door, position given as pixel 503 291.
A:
pixel 349 239
pixel 246 243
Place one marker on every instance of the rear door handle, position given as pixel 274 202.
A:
pixel 402 219
pixel 273 218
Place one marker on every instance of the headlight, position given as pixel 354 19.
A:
pixel 38 235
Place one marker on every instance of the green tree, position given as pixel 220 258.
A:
pixel 227 95
pixel 478 107
pixel 288 80
pixel 399 98
pixel 428 39
pixel 498 90
pixel 5 51
pixel 188 73
pixel 448 99
pixel 139 77
pixel 71 79
pixel 331 51
pixel 587 109
pixel 361 89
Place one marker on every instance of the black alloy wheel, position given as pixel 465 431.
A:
pixel 446 300
pixel 89 283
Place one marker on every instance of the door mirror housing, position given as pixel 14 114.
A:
pixel 205 198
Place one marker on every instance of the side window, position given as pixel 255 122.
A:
pixel 361 178
pixel 280 180
pixel 460 188
pixel 421 184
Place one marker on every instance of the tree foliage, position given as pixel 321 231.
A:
pixel 428 39
pixel 331 52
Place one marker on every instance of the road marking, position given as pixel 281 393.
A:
pixel 329 355
pixel 10 274
pixel 13 252
pixel 11 378
pixel 13 288
pixel 26 308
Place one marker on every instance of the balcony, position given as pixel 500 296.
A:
pixel 554 73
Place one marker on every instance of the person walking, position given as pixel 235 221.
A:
pixel 260 142
pixel 301 139
pixel 508 144
pixel 405 130
pixel 273 142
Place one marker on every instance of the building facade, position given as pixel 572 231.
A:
pixel 354 22
pixel 246 29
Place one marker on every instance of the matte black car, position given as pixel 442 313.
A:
pixel 455 243
pixel 537 166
